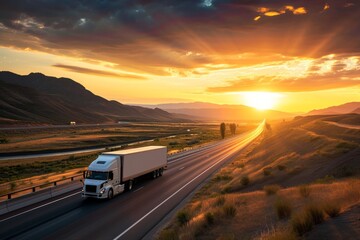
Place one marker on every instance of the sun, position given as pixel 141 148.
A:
pixel 261 100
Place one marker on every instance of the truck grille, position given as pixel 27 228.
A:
pixel 90 188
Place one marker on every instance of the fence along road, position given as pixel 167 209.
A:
pixel 130 215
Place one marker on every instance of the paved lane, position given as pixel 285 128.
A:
pixel 130 215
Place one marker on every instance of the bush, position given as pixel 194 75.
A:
pixel 245 181
pixel 229 210
pixel 304 191
pixel 302 223
pixel 281 167
pixel 210 219
pixel 3 141
pixel 267 171
pixel 271 189
pixel 168 234
pixel 316 213
pixel 332 209
pixel 220 201
pixel 183 217
pixel 283 208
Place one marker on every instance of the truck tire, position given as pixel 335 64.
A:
pixel 130 185
pixel 161 171
pixel 154 174
pixel 157 173
pixel 110 193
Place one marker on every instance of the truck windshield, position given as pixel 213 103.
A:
pixel 97 175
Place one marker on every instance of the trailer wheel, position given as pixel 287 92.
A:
pixel 154 174
pixel 157 173
pixel 110 193
pixel 161 171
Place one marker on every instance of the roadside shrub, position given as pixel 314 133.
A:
pixel 279 234
pixel 226 189
pixel 332 209
pixel 316 213
pixel 183 217
pixel 220 201
pixel 245 181
pixel 304 191
pixel 3 141
pixel 210 218
pixel 281 167
pixel 271 189
pixel 283 208
pixel 168 234
pixel 229 210
pixel 301 223
pixel 267 171
pixel 173 143
pixel 12 186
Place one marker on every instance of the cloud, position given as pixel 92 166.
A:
pixel 98 72
pixel 329 72
pixel 148 36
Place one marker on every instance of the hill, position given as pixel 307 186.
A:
pixel 265 192
pixel 217 112
pixel 36 98
pixel 340 109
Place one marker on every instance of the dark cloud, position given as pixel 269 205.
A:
pixel 98 72
pixel 150 36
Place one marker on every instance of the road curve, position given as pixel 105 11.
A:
pixel 130 215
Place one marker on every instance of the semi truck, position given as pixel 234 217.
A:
pixel 115 172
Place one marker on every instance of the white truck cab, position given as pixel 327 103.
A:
pixel 114 172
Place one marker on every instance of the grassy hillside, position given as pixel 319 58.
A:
pixel 270 190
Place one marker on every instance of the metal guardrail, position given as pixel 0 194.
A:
pixel 40 186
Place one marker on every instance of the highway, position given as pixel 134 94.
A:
pixel 131 215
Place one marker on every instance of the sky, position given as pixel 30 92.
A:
pixel 297 55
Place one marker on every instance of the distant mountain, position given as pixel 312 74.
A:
pixel 356 110
pixel 36 98
pixel 341 109
pixel 217 112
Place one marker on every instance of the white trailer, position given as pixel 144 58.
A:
pixel 114 172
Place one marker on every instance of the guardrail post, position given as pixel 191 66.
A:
pixel 54 184
pixel 33 189
pixel 9 196
pixel 72 178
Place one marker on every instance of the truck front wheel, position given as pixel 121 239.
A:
pixel 130 185
pixel 110 193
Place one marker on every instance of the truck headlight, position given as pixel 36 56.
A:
pixel 102 191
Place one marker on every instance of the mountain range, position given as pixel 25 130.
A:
pixel 221 112
pixel 36 98
pixel 351 107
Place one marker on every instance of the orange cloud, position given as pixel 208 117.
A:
pixel 98 72
pixel 271 13
pixel 299 11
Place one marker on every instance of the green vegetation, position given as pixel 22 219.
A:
pixel 16 172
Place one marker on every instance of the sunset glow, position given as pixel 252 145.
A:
pixel 261 100
pixel 158 52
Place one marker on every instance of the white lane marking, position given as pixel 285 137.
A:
pixel 167 199
pixel 181 168
pixel 139 189
pixel 30 210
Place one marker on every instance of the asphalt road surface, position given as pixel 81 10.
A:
pixel 131 215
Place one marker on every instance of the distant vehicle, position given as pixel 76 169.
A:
pixel 114 172
pixel 72 123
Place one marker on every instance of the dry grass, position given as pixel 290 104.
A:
pixel 304 191
pixel 301 223
pixel 271 189
pixel 315 211
pixel 332 209
pixel 283 208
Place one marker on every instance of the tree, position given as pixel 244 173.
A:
pixel 232 128
pixel 222 130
